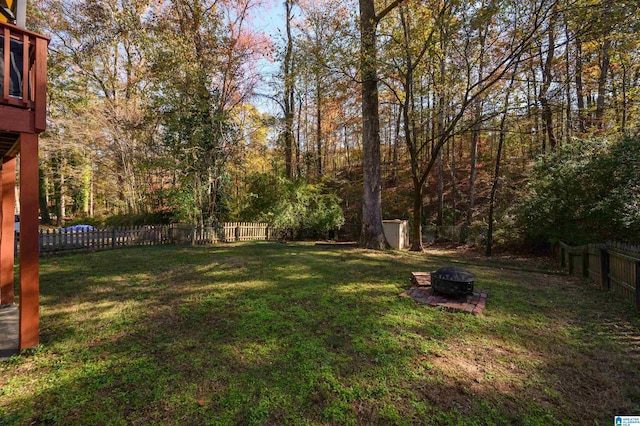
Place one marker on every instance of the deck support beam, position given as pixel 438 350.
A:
pixel 7 230
pixel 29 247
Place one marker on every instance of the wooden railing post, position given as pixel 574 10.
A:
pixel 40 83
pixel 6 63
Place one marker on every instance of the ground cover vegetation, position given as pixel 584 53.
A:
pixel 271 333
pixel 423 110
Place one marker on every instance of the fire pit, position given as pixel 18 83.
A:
pixel 452 281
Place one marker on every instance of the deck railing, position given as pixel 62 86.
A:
pixel 23 69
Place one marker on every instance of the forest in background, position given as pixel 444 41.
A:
pixel 507 119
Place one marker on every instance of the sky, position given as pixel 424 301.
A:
pixel 269 18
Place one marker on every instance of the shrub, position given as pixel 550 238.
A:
pixel 295 205
pixel 587 191
pixel 157 218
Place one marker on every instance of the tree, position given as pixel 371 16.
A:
pixel 203 64
pixel 289 91
pixel 509 35
pixel 372 235
pixel 547 78
pixel 496 174
pixel 482 30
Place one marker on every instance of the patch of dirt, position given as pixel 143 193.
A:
pixel 485 367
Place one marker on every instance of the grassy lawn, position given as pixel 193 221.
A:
pixel 269 333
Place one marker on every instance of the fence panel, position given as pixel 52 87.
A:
pixel 615 266
pixel 55 241
pixel 622 274
pixel 593 262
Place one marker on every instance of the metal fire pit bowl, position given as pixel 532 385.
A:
pixel 452 281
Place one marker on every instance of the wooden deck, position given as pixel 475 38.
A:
pixel 23 115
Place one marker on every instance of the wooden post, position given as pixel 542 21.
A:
pixel 570 261
pixel 7 63
pixel 605 284
pixel 40 78
pixel 585 262
pixel 29 267
pixel 7 231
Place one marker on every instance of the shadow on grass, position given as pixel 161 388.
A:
pixel 294 334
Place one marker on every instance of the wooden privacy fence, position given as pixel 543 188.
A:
pixel 615 266
pixel 56 241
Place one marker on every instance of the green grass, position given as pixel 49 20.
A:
pixel 268 333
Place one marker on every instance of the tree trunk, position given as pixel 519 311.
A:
pixel 440 217
pixel 474 160
pixel 579 87
pixel 416 220
pixel 602 81
pixel 623 123
pixel 62 208
pixel 496 175
pixel 318 128
pixel 547 113
pixel 536 118
pixel 91 204
pixel 395 149
pixel 372 235
pixel 567 126
pixel 297 138
pixel 454 189
pixel 474 140
pixel 42 194
pixel 289 105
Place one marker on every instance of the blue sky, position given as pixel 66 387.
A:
pixel 269 18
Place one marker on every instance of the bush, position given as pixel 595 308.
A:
pixel 294 205
pixel 158 218
pixel 587 191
